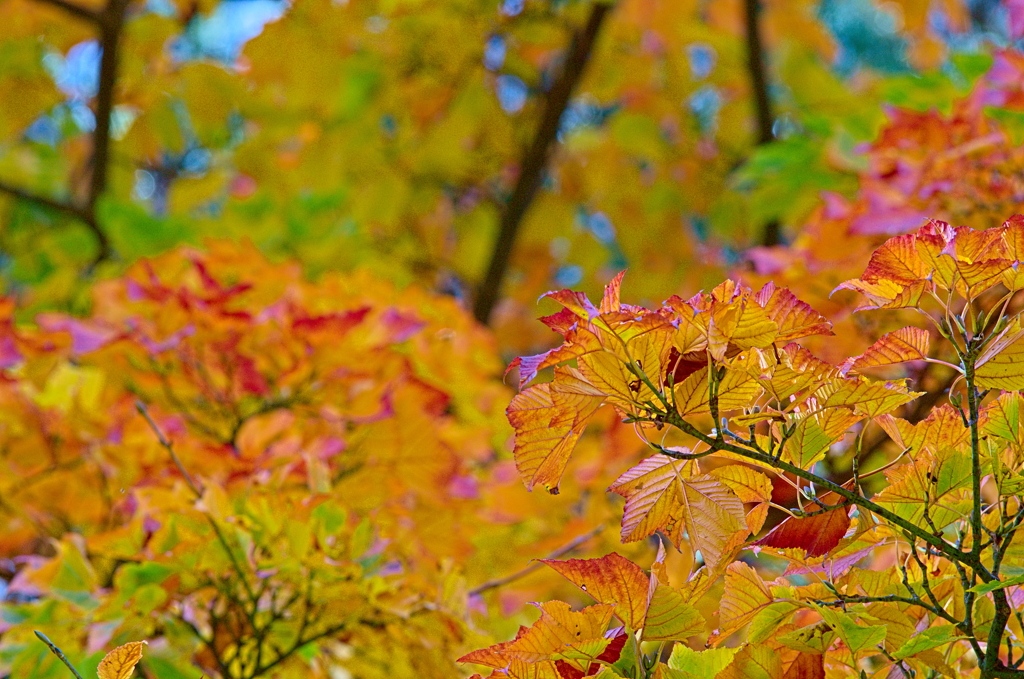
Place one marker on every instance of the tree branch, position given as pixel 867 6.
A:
pixel 758 71
pixel 762 100
pixel 83 13
pixel 535 161
pixel 110 38
pixel 110 22
pixel 564 549
pixel 53 204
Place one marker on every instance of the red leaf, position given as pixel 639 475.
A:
pixel 816 535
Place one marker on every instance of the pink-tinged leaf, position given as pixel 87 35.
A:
pixel 548 420
pixel 86 335
pixel 401 326
pixel 561 322
pixel 795 318
pixel 575 302
pixel 906 344
pixel 578 343
pixel 652 490
pixel 610 300
pixel 833 567
pixel 610 579
pixel 10 355
pixel 817 535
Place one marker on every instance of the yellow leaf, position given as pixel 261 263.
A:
pixel 1001 365
pixel 121 662
pixel 714 517
pixel 652 490
pixel 870 399
pixel 745 594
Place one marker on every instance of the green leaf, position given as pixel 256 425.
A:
pixel 705 663
pixel 768 619
pixel 855 635
pixel 929 638
pixel 987 587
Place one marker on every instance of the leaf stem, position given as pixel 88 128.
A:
pixel 59 653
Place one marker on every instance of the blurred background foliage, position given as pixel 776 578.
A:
pixel 251 164
pixel 389 135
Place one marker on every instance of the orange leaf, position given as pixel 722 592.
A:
pixel 610 579
pixel 794 318
pixel 121 662
pixel 906 344
pixel 548 420
pixel 562 633
pixel 610 299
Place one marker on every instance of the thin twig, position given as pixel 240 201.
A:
pixel 52 203
pixel 532 167
pixel 564 549
pixel 59 653
pixel 168 446
pixel 221 538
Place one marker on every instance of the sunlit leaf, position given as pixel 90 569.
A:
pixel 120 662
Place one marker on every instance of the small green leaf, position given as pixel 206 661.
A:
pixel 987 587
pixel 929 638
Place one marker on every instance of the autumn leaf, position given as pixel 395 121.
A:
pixel 1000 365
pixel 560 634
pixel 610 579
pixel 120 662
pixel 549 419
pixel 817 535
pixel 744 596
pixel 905 344
pixel 794 318
pixel 652 489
